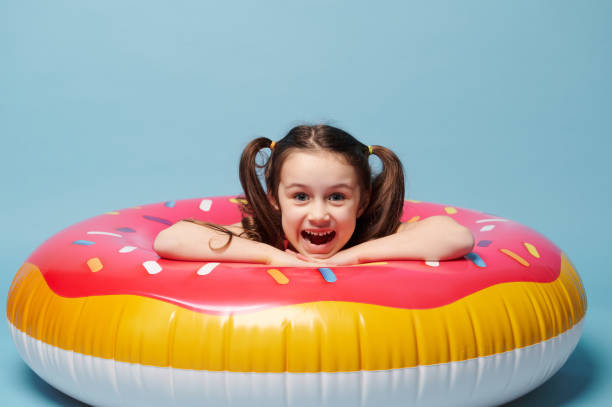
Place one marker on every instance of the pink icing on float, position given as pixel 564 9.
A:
pixel 118 249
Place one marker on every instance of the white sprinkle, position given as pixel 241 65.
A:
pixel 207 268
pixel 152 267
pixel 104 233
pixel 486 228
pixel 205 205
pixel 432 263
pixel 127 249
pixel 492 220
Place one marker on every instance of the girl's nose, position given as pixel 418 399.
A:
pixel 318 213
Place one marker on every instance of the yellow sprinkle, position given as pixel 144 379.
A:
pixel 111 213
pixel 374 263
pixel 94 264
pixel 532 250
pixel 515 257
pixel 278 276
pixel 414 219
pixel 136 207
pixel 412 201
pixel 450 210
pixel 238 201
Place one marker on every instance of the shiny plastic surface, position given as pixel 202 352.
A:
pixel 95 304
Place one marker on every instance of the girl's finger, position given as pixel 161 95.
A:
pixel 304 258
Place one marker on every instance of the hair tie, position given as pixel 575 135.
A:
pixel 272 144
pixel 370 149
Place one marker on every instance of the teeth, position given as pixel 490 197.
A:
pixel 318 234
pixel 318 238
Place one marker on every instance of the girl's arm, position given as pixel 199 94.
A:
pixel 433 238
pixel 190 241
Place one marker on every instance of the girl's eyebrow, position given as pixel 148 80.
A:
pixel 335 186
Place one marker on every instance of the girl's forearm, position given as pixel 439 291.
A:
pixel 189 241
pixel 434 238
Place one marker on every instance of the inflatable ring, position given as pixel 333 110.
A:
pixel 96 313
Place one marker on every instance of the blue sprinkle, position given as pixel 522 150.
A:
pixel 160 220
pixel 475 259
pixel 170 204
pixel 328 274
pixel 126 230
pixel 484 243
pixel 84 242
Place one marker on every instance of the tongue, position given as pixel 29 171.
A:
pixel 320 239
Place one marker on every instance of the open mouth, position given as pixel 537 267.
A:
pixel 318 238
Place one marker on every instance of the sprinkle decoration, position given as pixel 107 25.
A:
pixel 492 220
pixel 476 259
pixel 205 205
pixel 152 267
pixel 94 264
pixel 374 263
pixel 126 230
pixel 414 219
pixel 278 276
pixel 413 201
pixel 156 219
pixel 484 243
pixel 170 204
pixel 433 263
pixel 450 210
pixel 111 213
pixel 328 274
pixel 515 256
pixel 84 242
pixel 206 269
pixel 238 201
pixel 94 232
pixel 532 250
pixel 127 249
pixel 487 228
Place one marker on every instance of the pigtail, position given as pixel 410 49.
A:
pixel 382 215
pixel 260 221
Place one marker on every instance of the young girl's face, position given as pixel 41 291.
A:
pixel 318 196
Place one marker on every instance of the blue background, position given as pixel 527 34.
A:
pixel 499 106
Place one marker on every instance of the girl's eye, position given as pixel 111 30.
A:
pixel 336 197
pixel 300 196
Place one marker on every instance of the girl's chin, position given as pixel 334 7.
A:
pixel 317 251
pixel 320 256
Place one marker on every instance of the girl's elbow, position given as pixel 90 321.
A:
pixel 460 240
pixel 165 244
pixel 464 241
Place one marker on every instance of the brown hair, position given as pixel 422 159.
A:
pixel 382 195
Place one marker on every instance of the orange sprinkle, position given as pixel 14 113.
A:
pixel 374 263
pixel 414 219
pixel 94 264
pixel 278 276
pixel 238 201
pixel 515 257
pixel 532 250
pixel 450 210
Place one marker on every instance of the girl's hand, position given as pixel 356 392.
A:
pixel 288 258
pixel 342 258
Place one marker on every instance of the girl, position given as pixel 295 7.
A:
pixel 321 204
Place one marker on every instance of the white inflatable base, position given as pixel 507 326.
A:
pixel 483 381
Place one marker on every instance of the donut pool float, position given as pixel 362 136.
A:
pixel 96 313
